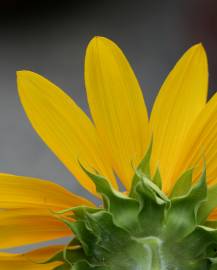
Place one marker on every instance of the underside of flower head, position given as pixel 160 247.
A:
pixel 144 229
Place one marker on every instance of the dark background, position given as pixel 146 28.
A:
pixel 49 37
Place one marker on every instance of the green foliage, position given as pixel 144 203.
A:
pixel 145 230
pixel 183 184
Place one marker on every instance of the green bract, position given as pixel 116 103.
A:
pixel 145 230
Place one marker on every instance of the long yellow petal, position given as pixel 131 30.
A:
pixel 117 106
pixel 63 126
pixel 23 192
pixel 28 261
pixel 201 144
pixel 20 227
pixel 181 98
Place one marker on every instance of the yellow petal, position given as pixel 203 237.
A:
pixel 181 98
pixel 27 261
pixel 63 126
pixel 20 227
pixel 117 106
pixel 201 143
pixel 23 192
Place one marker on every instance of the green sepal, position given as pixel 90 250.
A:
pixel 183 184
pixel 181 217
pixel 152 206
pixel 123 208
pixel 200 243
pixel 71 254
pixel 112 246
pixel 69 259
pixel 85 236
pixel 157 179
pixel 98 236
pixel 208 205
pixel 118 250
pixel 143 167
pixel 150 189
pixel 76 211
pixel 80 265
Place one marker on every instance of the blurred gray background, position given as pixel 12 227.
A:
pixel 51 38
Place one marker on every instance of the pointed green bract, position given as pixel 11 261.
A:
pixel 123 208
pixel 181 217
pixel 183 184
pixel 209 204
pixel 144 167
pixel 152 200
pixel 145 230
pixel 157 178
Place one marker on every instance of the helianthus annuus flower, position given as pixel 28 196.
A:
pixel 166 219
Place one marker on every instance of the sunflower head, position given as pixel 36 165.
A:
pixel 142 230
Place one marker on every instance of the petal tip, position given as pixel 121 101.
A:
pixel 199 48
pixel 95 39
pixel 100 40
pixel 21 74
pixel 198 53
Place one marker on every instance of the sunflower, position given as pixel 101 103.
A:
pixel 166 217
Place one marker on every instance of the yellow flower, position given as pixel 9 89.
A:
pixel 182 125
